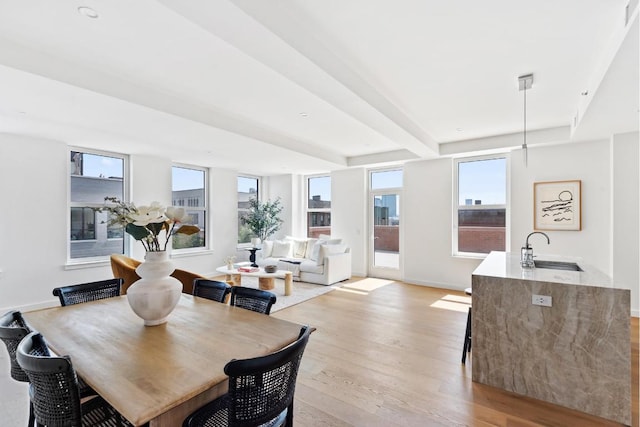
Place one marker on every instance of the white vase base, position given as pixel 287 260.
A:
pixel 156 322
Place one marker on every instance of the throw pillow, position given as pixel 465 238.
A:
pixel 280 249
pixel 326 250
pixel 299 248
pixel 310 244
pixel 315 251
pixel 267 248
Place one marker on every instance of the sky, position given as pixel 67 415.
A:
pixel 483 180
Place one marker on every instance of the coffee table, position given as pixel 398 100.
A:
pixel 265 280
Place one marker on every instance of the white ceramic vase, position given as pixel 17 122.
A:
pixel 156 294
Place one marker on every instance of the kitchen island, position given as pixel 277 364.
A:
pixel 574 353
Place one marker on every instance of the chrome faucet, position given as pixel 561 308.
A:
pixel 526 252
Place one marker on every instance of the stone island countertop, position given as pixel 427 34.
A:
pixel 576 352
pixel 506 265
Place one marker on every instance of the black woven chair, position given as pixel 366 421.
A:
pixel 54 390
pixel 13 328
pixel 252 299
pixel 211 289
pixel 261 390
pixel 84 292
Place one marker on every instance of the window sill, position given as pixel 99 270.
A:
pixel 79 265
pixel 469 255
pixel 185 253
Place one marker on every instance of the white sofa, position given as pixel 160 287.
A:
pixel 323 261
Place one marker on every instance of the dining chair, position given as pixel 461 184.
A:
pixel 54 390
pixel 211 289
pixel 13 328
pixel 252 299
pixel 84 292
pixel 261 390
pixel 466 347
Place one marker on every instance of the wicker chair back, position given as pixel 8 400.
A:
pixel 211 289
pixel 84 292
pixel 252 299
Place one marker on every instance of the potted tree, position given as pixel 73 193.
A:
pixel 263 218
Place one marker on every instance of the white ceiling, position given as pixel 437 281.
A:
pixel 284 86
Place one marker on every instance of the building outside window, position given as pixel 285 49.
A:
pixel 247 190
pixel 94 176
pixel 188 190
pixel 480 220
pixel 318 206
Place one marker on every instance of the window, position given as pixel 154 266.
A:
pixel 318 206
pixel 188 190
pixel 247 189
pixel 481 205
pixel 94 176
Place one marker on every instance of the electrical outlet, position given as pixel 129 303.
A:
pixel 543 300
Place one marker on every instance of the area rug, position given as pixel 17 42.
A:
pixel 302 291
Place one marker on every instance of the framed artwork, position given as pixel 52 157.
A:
pixel 557 205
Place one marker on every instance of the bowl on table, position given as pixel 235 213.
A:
pixel 271 268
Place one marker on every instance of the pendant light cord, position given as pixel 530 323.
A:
pixel 524 145
pixel 525 151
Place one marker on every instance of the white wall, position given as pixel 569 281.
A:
pixel 427 221
pixel 349 214
pixel 33 245
pixel 589 162
pixel 34 187
pixel 427 216
pixel 626 222
pixel 282 186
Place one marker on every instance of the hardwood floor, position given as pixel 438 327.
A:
pixel 387 354
pixel 391 357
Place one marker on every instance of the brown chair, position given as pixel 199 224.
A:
pixel 125 268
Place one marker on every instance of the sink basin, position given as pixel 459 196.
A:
pixel 557 265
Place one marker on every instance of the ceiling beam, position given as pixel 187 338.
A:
pixel 375 110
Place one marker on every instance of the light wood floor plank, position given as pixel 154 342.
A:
pixel 391 357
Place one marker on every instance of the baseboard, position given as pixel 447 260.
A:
pixel 32 307
pixel 433 284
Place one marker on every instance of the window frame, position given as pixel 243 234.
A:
pixel 126 244
pixel 206 209
pixel 456 204
pixel 309 210
pixel 238 210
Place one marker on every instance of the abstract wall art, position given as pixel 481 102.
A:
pixel 557 205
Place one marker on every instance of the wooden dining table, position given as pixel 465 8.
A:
pixel 159 374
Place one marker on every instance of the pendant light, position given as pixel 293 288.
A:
pixel 525 82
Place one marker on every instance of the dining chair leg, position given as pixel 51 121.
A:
pixel 466 348
pixel 32 418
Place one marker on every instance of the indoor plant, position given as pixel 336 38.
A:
pixel 263 218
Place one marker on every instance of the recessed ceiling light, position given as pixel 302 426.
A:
pixel 88 12
pixel 584 93
pixel 303 114
pixel 459 129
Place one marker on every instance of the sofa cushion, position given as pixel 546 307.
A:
pixel 299 248
pixel 280 249
pixel 326 250
pixel 308 266
pixel 315 252
pixel 310 244
pixel 267 248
